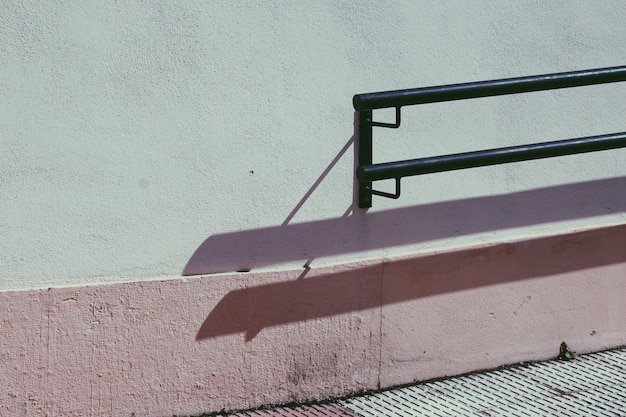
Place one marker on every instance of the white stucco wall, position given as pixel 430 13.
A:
pixel 143 140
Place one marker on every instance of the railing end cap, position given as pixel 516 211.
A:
pixel 357 103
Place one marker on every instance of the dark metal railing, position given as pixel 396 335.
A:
pixel 367 172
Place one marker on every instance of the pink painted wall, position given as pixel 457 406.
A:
pixel 184 347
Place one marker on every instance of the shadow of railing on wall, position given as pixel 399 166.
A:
pixel 361 231
pixel 250 310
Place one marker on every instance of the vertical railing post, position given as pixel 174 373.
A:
pixel 365 155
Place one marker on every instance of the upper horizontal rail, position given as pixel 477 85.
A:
pixel 399 169
pixel 398 98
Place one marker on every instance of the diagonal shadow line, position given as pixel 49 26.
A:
pixel 252 309
pixel 362 231
pixel 319 181
pixel 310 192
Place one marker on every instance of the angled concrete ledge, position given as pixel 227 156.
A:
pixel 236 341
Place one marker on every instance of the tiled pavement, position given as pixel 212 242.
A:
pixel 590 385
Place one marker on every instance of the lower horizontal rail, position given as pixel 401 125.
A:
pixel 399 169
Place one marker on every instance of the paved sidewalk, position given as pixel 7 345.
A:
pixel 589 385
